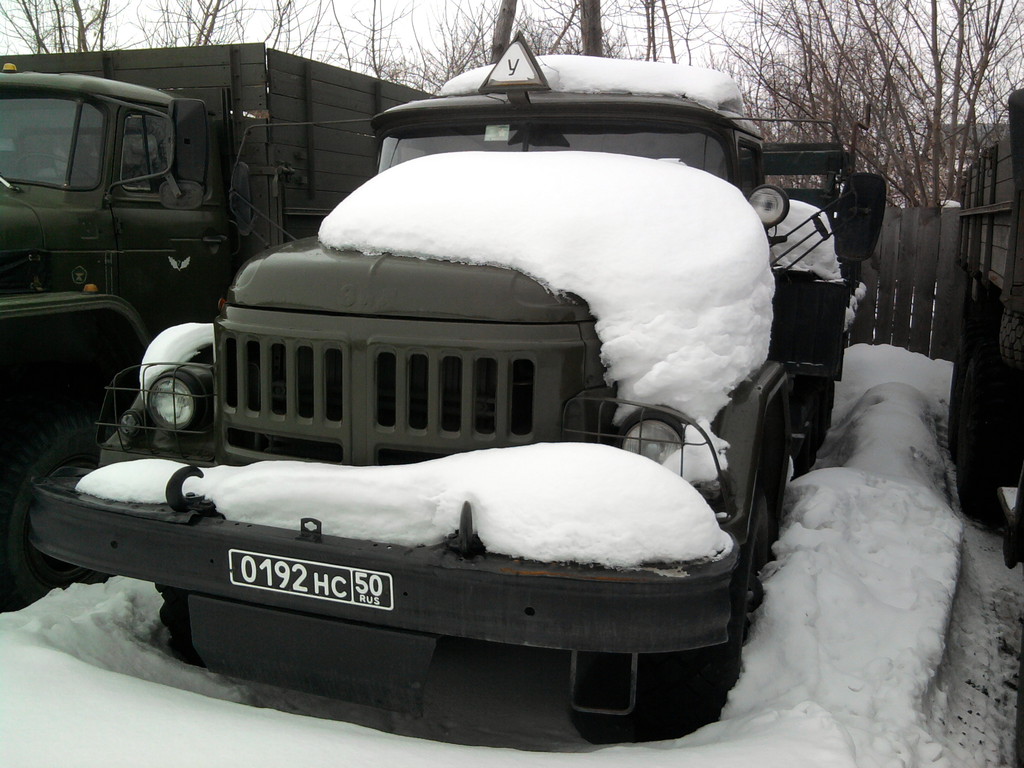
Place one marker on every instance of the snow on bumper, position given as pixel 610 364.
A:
pixel 426 589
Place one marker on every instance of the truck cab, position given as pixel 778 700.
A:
pixel 84 160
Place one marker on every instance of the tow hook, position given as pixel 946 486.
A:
pixel 186 503
pixel 464 540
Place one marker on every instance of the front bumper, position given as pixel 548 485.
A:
pixel 435 590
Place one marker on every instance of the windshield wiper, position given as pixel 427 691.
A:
pixel 12 187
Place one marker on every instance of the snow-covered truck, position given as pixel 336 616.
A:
pixel 559 262
pixel 125 209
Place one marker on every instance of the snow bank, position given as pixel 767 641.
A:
pixel 866 365
pixel 177 344
pixel 858 600
pixel 591 74
pixel 575 502
pixel 672 261
pixel 812 256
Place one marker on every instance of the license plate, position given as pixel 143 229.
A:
pixel 308 578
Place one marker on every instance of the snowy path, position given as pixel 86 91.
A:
pixel 845 667
pixel 975 695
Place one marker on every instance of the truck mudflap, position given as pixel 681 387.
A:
pixel 432 590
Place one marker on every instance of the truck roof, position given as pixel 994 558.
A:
pixel 582 86
pixel 590 105
pixel 82 85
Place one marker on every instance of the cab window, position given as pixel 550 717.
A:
pixel 145 150
pixel 750 167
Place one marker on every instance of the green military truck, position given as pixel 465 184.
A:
pixel 113 226
pixel 986 411
pixel 336 356
pixel 991 234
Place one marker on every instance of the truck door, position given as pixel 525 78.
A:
pixel 172 265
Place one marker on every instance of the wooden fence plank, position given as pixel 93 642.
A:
pixel 914 284
pixel 903 289
pixel 888 263
pixel 950 284
pixel 926 254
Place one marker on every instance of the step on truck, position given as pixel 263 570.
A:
pixel 370 359
pixel 132 186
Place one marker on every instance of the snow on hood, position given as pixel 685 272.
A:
pixel 672 261
pixel 812 256
pixel 591 74
pixel 560 502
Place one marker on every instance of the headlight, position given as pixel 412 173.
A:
pixel 771 204
pixel 129 425
pixel 653 438
pixel 178 400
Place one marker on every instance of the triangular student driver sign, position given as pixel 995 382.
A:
pixel 517 69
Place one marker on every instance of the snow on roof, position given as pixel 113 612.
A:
pixel 672 261
pixel 585 503
pixel 590 74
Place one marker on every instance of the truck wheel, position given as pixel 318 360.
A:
pixel 979 324
pixel 175 616
pixel 679 692
pixel 39 437
pixel 1011 339
pixel 991 416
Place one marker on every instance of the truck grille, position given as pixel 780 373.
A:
pixel 371 403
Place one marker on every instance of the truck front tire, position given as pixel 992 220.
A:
pixel 39 437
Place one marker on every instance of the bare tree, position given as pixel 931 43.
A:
pixel 197 22
pixel 370 41
pixel 60 26
pixel 671 30
pixel 933 74
pixel 297 26
pixel 503 28
pixel 459 39
pixel 590 26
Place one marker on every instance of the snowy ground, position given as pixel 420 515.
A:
pixel 882 641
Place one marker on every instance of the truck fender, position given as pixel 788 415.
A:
pixel 96 333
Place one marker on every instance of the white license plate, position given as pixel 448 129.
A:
pixel 308 578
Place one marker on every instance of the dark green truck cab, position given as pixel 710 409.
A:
pixel 125 209
pixel 326 355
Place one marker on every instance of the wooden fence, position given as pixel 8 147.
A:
pixel 914 287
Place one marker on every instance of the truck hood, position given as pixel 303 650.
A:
pixel 307 276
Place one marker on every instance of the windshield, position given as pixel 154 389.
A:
pixel 693 147
pixel 50 141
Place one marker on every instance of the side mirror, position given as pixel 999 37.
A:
pixel 191 140
pixel 1016 105
pixel 858 216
